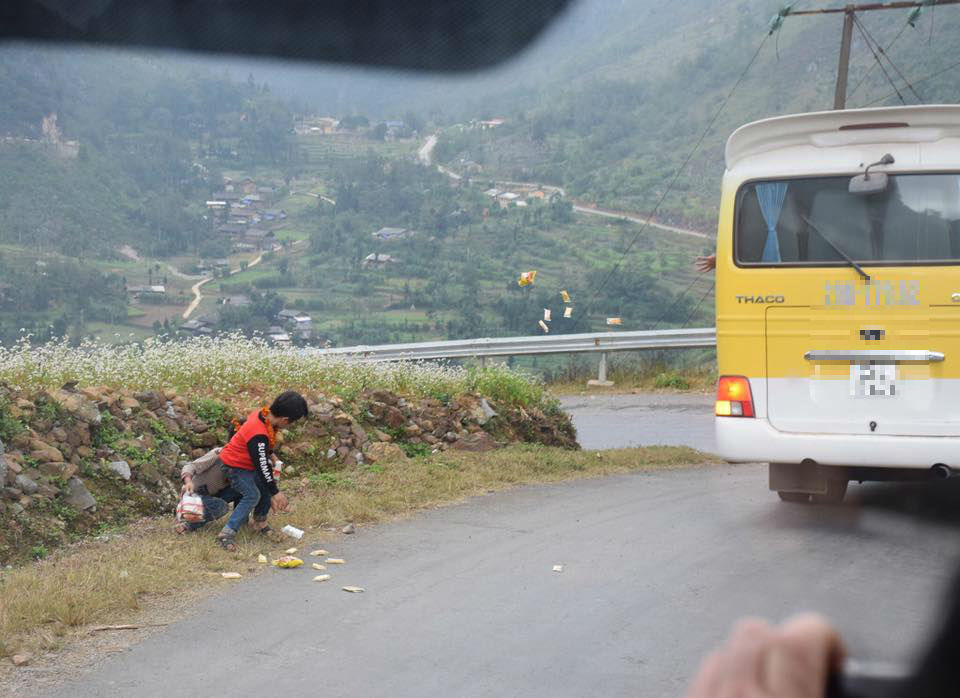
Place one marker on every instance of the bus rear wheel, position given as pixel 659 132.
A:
pixel 795 497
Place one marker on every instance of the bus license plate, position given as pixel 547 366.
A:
pixel 873 380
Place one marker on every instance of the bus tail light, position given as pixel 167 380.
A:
pixel 734 398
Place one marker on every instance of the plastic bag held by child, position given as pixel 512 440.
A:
pixel 190 508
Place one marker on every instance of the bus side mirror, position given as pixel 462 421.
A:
pixel 871 183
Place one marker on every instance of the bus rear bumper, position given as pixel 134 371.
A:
pixel 744 440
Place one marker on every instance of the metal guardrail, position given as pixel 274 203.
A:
pixel 542 344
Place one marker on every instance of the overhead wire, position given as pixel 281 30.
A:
pixel 874 65
pixel 869 37
pixel 699 303
pixel 859 26
pixel 673 181
pixel 916 82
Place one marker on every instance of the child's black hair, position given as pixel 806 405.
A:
pixel 289 404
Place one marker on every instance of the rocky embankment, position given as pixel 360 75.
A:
pixel 75 462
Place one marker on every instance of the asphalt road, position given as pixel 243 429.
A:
pixel 622 421
pixel 462 601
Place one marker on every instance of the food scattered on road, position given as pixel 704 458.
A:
pixel 543 326
pixel 565 296
pixel 292 531
pixel 20 659
pixel 321 578
pixel 614 321
pixel 318 566
pixel 319 553
pixel 230 575
pixel 547 314
pixel 262 559
pixel 558 568
pixel 568 312
pixel 527 278
pixel 290 551
pixel 354 590
pixel 334 561
pixel 349 528
pixel 288 561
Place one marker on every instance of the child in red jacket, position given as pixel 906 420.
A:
pixel 248 466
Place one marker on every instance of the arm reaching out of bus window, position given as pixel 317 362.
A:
pixel 793 659
pixel 706 263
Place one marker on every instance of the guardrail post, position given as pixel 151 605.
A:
pixel 483 362
pixel 601 379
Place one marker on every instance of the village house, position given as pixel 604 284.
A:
pixel 393 233
pixel 225 195
pixel 155 290
pixel 236 301
pixel 244 215
pixel 200 325
pixel 232 228
pixel 248 186
pixel 278 336
pixel 263 239
pixel 377 261
pixel 297 321
pixel 506 198
pixel 274 214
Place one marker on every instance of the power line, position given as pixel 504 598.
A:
pixel 917 82
pixel 699 303
pixel 673 181
pixel 859 27
pixel 874 65
pixel 666 313
pixel 869 36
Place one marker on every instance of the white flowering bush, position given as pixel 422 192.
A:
pixel 234 365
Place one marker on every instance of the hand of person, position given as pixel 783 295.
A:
pixel 760 660
pixel 187 485
pixel 280 501
pixel 706 263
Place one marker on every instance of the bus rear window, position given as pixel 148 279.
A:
pixel 794 221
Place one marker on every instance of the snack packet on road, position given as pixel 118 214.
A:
pixel 288 562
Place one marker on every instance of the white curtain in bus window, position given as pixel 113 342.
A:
pixel 771 196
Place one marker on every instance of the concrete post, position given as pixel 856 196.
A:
pixel 601 380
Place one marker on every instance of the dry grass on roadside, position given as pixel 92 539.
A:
pixel 103 582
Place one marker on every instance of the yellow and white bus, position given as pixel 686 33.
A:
pixel 838 298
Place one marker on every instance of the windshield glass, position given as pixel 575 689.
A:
pixel 917 219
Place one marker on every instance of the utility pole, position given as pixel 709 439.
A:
pixel 840 93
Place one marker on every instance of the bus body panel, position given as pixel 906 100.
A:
pixel 774 321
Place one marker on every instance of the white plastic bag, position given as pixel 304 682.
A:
pixel 190 508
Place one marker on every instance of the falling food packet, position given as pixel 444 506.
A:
pixel 230 575
pixel 546 315
pixel 318 566
pixel 287 562
pixel 568 312
pixel 354 590
pixel 558 568
pixel 321 578
pixel 613 321
pixel 262 559
pixel 334 561
pixel 527 278
pixel 319 553
pixel 565 296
